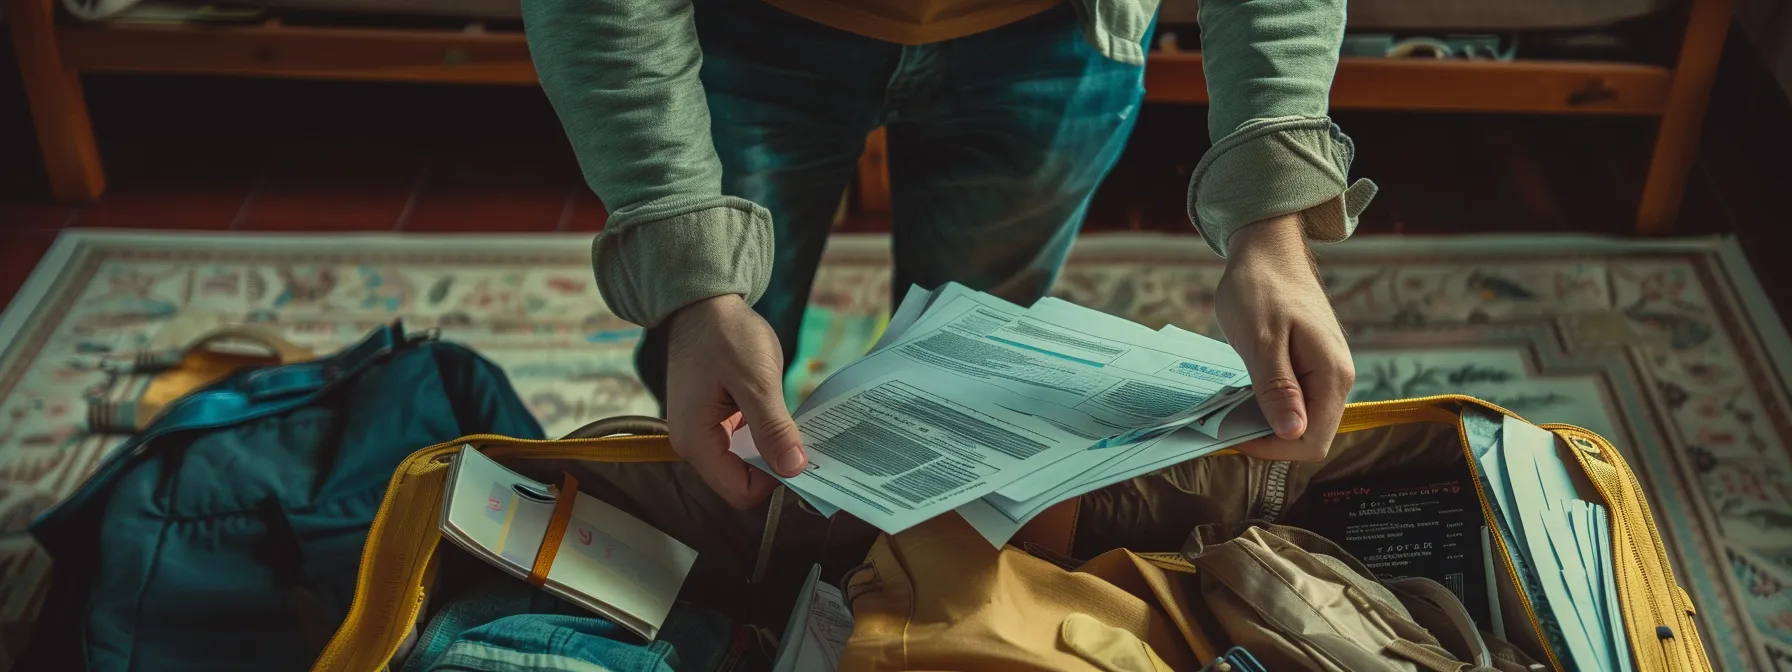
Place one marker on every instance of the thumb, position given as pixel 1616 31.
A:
pixel 1277 390
pixel 774 432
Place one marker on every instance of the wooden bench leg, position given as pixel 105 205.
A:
pixel 64 131
pixel 874 176
pixel 1677 139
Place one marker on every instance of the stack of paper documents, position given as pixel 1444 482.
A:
pixel 974 404
pixel 1560 544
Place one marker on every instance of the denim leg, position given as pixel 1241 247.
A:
pixel 997 142
pixel 790 103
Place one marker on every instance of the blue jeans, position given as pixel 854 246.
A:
pixel 501 624
pixel 997 141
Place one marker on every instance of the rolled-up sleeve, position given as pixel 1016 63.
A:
pixel 1269 67
pixel 623 77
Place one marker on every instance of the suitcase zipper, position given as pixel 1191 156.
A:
pixel 1628 532
pixel 1275 494
pixel 1632 521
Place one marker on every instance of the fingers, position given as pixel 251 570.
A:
pixel 774 432
pixel 1324 386
pixel 725 367
pixel 1327 376
pixel 737 482
pixel 1273 381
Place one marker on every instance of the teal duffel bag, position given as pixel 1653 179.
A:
pixel 226 535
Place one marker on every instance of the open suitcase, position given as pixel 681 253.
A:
pixel 404 549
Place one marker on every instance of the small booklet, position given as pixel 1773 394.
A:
pixel 819 626
pixel 608 561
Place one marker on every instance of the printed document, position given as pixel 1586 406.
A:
pixel 896 452
pixel 1534 474
pixel 998 518
pixel 966 395
pixel 1200 372
pixel 818 629
pixel 1560 544
pixel 1082 378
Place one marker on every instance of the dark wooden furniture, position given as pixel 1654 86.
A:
pixel 53 55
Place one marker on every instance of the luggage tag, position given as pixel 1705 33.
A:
pixel 1237 659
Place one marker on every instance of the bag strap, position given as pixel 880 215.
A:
pixel 265 392
pixel 556 531
pixel 164 356
pixel 174 372
pixel 285 351
pixel 238 399
pixel 638 425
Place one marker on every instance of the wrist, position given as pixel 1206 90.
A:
pixel 704 308
pixel 1278 243
pixel 1277 235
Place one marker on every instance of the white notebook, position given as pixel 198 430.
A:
pixel 608 561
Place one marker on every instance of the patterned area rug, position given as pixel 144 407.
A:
pixel 1670 349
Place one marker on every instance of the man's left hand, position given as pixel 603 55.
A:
pixel 1276 314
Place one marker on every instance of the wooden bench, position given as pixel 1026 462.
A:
pixel 53 55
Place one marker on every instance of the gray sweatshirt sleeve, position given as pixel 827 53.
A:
pixel 622 76
pixel 1269 67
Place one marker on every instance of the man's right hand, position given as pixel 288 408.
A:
pixel 727 368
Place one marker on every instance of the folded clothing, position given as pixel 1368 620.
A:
pixel 499 624
pixel 1298 601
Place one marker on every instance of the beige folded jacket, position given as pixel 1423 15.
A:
pixel 1298 601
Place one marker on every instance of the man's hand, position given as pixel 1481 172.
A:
pixel 726 369
pixel 1274 312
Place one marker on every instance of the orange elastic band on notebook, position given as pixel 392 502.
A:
pixel 550 539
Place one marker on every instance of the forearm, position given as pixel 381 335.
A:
pixel 623 78
pixel 1269 67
